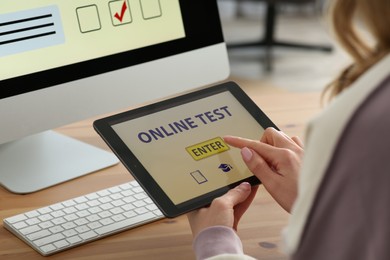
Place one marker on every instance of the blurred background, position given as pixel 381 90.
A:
pixel 269 66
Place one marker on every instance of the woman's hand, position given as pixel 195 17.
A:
pixel 226 210
pixel 276 161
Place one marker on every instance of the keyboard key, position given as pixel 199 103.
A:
pixel 103 193
pixel 141 210
pixel 58 213
pixel 57 206
pixel 32 214
pixel 20 225
pixel 74 239
pixel 69 233
pixel 69 203
pixel 56 229
pixel 82 229
pixel 58 221
pixel 124 223
pixel 45 217
pixel 48 248
pixel 46 224
pixel 61 243
pixel 71 217
pixel 69 225
pixel 30 229
pixel 88 235
pixel 118 217
pixel 48 240
pixel 94 225
pixel 114 189
pixel 16 218
pixel 81 199
pixel 92 196
pixel 45 210
pixel 33 221
pixel 39 234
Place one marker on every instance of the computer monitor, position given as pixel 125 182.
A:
pixel 62 61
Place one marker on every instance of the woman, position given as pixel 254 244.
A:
pixel 338 191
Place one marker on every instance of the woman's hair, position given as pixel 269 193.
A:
pixel 346 15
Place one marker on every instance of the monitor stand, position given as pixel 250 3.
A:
pixel 46 159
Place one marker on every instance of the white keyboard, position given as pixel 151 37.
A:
pixel 83 219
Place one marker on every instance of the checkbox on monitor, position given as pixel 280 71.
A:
pixel 88 18
pixel 150 9
pixel 120 12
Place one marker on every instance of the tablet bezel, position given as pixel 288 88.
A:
pixel 104 128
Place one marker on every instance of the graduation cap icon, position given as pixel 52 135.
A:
pixel 225 167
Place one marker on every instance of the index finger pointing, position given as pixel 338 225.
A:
pixel 238 142
pixel 266 151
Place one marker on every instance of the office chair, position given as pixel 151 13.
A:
pixel 268 41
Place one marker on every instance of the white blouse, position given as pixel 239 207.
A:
pixel 324 131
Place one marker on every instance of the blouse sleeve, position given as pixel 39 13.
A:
pixel 218 242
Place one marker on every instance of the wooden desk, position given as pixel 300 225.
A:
pixel 168 238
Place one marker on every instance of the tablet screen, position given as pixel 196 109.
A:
pixel 181 146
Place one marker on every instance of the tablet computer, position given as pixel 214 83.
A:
pixel 175 148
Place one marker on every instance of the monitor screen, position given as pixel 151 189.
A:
pixel 82 32
pixel 46 43
pixel 66 60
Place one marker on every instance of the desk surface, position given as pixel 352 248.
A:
pixel 168 238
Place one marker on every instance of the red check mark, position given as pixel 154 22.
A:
pixel 120 16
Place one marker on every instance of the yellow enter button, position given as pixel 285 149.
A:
pixel 207 148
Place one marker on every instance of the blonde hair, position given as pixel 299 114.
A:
pixel 375 15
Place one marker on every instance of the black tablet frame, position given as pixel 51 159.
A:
pixel 104 128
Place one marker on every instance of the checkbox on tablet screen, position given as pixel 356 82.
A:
pixel 199 177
